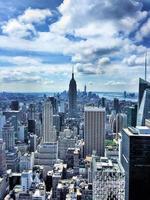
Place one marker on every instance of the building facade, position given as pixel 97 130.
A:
pixel 108 179
pixel 135 154
pixel 94 130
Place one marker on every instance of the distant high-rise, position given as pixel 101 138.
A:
pixel 32 111
pixel 135 154
pixel 85 89
pixel 2 122
pixel 3 166
pixel 116 105
pixel 72 97
pixel 54 104
pixel 26 180
pixel 144 109
pixel 143 85
pixel 121 122
pixel 49 133
pixel 14 105
pixel 94 130
pixel 103 102
pixel 47 150
pixel 8 135
pixel 31 126
pixel 132 115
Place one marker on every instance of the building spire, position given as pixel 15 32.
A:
pixel 72 72
pixel 146 66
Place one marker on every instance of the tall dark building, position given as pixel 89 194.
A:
pixel 132 115
pixel 54 104
pixel 116 105
pixel 72 97
pixel 103 102
pixel 31 111
pixel 14 105
pixel 135 159
pixel 144 109
pixel 31 126
pixel 143 85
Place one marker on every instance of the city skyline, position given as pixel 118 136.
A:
pixel 105 42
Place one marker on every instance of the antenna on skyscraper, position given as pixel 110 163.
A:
pixel 146 66
pixel 72 71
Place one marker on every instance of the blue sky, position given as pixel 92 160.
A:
pixel 105 41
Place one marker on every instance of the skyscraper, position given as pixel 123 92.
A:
pixel 135 160
pixel 49 133
pixel 144 109
pixel 54 103
pixel 85 89
pixel 143 85
pixel 8 135
pixel 2 122
pixel 132 115
pixel 26 180
pixel 103 102
pixel 72 97
pixel 14 105
pixel 116 105
pixel 47 151
pixel 121 122
pixel 31 111
pixel 94 130
pixel 3 166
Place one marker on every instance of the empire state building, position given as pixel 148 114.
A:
pixel 72 97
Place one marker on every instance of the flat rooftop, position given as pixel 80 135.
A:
pixel 138 131
pixel 107 165
pixel 94 109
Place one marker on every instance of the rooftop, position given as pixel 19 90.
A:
pixel 107 165
pixel 94 109
pixel 138 131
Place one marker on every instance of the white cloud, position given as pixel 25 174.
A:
pixel 114 83
pixel 18 29
pixel 144 31
pixel 104 61
pixel 38 74
pixel 34 15
pixel 21 60
pixel 89 69
pixel 88 17
pixel 23 26
pixel 134 60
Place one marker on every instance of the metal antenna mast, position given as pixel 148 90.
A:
pixel 146 66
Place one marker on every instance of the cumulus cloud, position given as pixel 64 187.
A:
pixel 114 83
pixel 34 15
pixel 104 61
pixel 144 31
pixel 103 22
pixel 23 26
pixel 134 60
pixel 98 17
pixel 38 74
pixel 16 28
pixel 21 60
pixel 89 69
